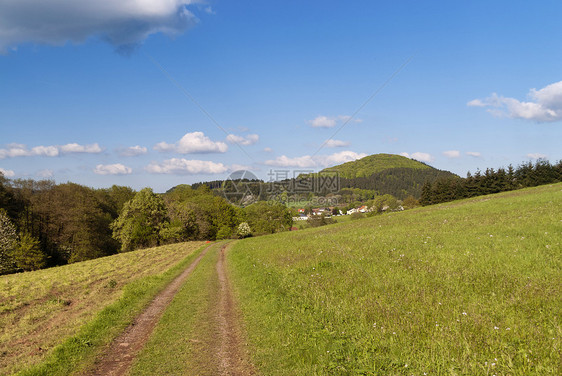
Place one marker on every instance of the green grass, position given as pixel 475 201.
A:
pixel 466 288
pixel 62 309
pixel 183 341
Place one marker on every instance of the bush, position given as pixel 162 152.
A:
pixel 244 230
pixel 224 233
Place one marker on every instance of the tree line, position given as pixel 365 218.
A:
pixel 491 181
pixel 45 224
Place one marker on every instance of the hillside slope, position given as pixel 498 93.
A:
pixel 460 288
pixel 372 164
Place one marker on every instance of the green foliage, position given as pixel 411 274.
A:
pixel 8 242
pixel 319 220
pixel 410 202
pixel 141 221
pixel 243 230
pixel 224 233
pixel 268 218
pixel 384 203
pixel 28 255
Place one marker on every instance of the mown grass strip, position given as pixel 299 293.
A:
pixel 78 352
pixel 184 339
pixel 468 288
pixel 39 309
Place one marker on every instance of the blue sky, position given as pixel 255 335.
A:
pixel 164 92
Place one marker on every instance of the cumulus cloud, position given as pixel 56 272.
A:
pixel 133 151
pixel 241 140
pixel 308 161
pixel 7 173
pixel 330 122
pixel 21 150
pixel 536 156
pixel 336 143
pixel 123 23
pixel 181 166
pixel 452 153
pixel 191 143
pixel 419 156
pixel 112 169
pixel 474 154
pixel 544 105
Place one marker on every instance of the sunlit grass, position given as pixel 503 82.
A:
pixel 39 310
pixel 470 287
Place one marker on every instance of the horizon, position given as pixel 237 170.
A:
pixel 166 93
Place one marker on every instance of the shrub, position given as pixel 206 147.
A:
pixel 244 230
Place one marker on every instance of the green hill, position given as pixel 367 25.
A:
pixel 387 174
pixel 372 164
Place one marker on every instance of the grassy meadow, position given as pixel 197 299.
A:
pixel 471 287
pixel 40 310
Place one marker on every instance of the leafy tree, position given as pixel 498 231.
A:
pixel 319 220
pixel 141 221
pixel 8 242
pixel 28 254
pixel 384 202
pixel 265 218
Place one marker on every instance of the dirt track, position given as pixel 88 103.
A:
pixel 225 336
pixel 118 358
pixel 231 354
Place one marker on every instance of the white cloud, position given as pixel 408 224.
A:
pixel 545 105
pixel 474 154
pixel 241 140
pixel 21 150
pixel 45 173
pixel 122 23
pixel 184 166
pixel 307 161
pixel 268 150
pixel 283 161
pixel 536 156
pixel 192 143
pixel 113 169
pixel 76 148
pixel 133 151
pixel 419 156
pixel 7 173
pixel 330 122
pixel 452 153
pixel 336 143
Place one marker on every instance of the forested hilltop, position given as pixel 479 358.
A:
pixel 377 174
pixel 46 224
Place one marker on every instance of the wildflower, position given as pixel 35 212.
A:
pixel 464 313
pixel 496 328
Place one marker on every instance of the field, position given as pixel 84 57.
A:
pixel 39 310
pixel 471 287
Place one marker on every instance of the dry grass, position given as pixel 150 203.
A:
pixel 38 310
